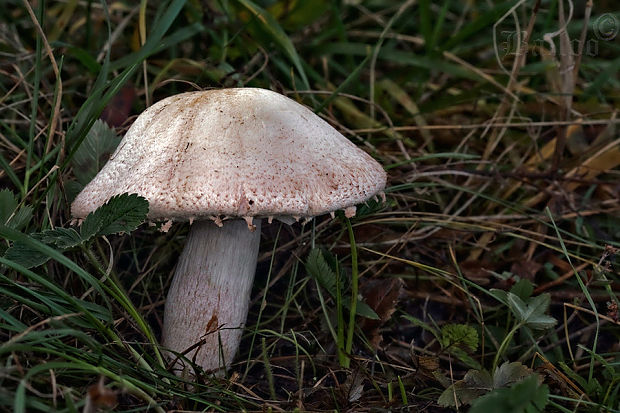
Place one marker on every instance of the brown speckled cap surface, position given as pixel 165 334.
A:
pixel 234 152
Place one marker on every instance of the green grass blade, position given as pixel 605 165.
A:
pixel 271 27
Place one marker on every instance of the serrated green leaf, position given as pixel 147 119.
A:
pixel 458 340
pixel 541 322
pixel 532 313
pixel 526 396
pixel 62 237
pixel 122 213
pixel 518 307
pixel 21 217
pixel 539 304
pixel 449 398
pixel 320 269
pixel 317 267
pixel 499 295
pixel 459 335
pixel 72 189
pixel 474 384
pixel 9 216
pixel 480 379
pixel 479 382
pixel 8 203
pixel 441 377
pixel 510 373
pixel 94 151
pixel 523 288
pixel 25 256
pixel 466 359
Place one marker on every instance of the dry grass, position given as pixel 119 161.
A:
pixel 503 161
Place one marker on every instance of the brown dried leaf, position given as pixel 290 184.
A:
pixel 100 397
pixel 603 161
pixel 382 296
pixel 118 109
pixel 525 269
pixel 428 363
pixel 576 140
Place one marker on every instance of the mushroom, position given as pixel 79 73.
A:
pixel 224 159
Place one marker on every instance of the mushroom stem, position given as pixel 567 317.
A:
pixel 208 301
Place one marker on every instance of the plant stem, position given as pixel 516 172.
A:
pixel 268 372
pixel 505 342
pixel 343 360
pixel 354 287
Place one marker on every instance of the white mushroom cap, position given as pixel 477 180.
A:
pixel 234 152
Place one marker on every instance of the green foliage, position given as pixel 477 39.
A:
pixel 526 396
pixel 529 311
pixel 22 254
pixel 532 313
pixel 121 213
pixel 10 214
pixel 103 90
pixel 325 274
pixel 317 267
pixel 591 386
pixel 61 238
pixel 368 208
pixel 100 142
pixel 267 25
pixel 509 373
pixel 298 14
pixel 459 336
pixel 471 167
pixel 460 340
pixel 523 289
pixel 473 385
pixel 477 383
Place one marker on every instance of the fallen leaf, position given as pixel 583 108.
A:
pixel 382 296
pixel 118 109
pixel 525 269
pixel 100 397
pixel 604 160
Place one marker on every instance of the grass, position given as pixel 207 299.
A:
pixel 487 281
